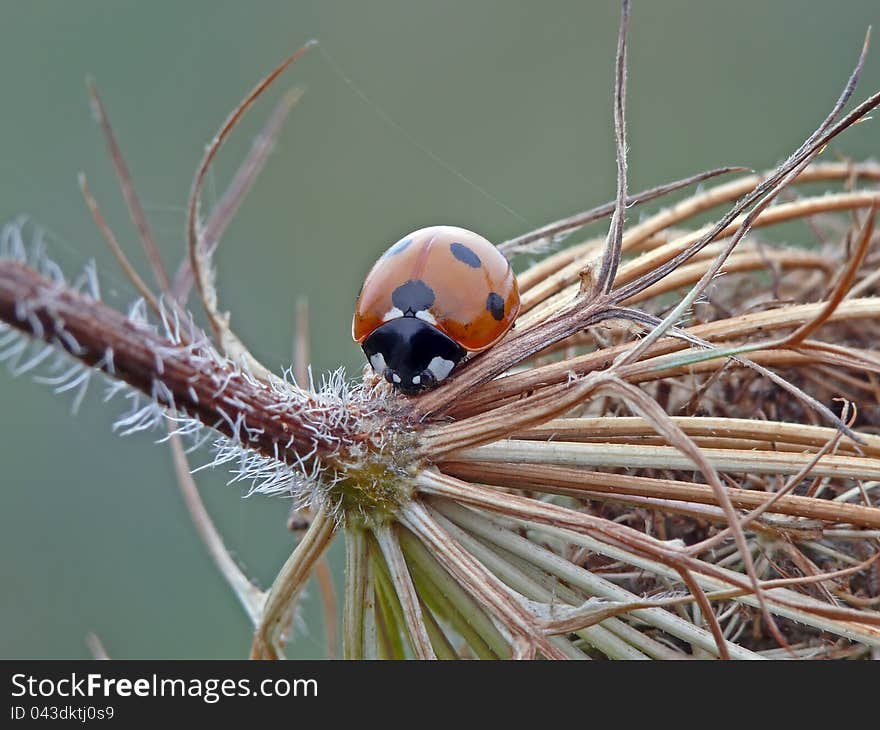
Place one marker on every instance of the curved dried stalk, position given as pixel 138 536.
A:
pixel 279 600
pixel 198 248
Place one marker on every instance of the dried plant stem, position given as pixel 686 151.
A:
pixel 593 584
pixel 691 207
pixel 844 283
pixel 716 331
pixel 224 211
pixel 613 243
pixel 738 263
pixel 631 542
pixel 540 304
pixel 443 647
pixel 301 344
pixel 406 592
pixel 785 602
pixel 574 481
pixel 526 241
pixel 324 578
pixel 596 635
pixel 607 455
pixel 323 573
pixel 776 434
pixel 197 247
pixel 113 244
pixel 579 598
pixel 555 289
pixel 135 209
pixel 644 405
pixel 291 578
pixel 491 592
pixel 87 328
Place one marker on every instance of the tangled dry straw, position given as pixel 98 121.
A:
pixel 674 454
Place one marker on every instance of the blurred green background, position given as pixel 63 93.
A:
pixel 512 95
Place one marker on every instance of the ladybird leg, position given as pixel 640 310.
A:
pixel 425 380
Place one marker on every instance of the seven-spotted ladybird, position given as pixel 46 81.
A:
pixel 434 296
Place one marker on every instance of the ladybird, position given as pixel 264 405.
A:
pixel 433 297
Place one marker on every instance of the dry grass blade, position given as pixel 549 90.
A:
pixel 543 236
pixel 288 584
pixel 126 185
pixel 251 598
pixel 519 625
pixel 604 280
pixel 579 482
pixel 113 244
pixel 224 211
pixel 403 586
pixel 197 247
pixel 96 646
pixel 842 287
pixel 554 271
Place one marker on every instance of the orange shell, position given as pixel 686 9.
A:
pixel 470 279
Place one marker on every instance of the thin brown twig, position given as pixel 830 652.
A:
pixel 613 243
pixel 113 244
pixel 521 244
pixel 135 210
pixel 243 180
pixel 195 250
pixel 842 286
pixel 251 598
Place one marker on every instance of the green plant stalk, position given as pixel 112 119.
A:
pixel 401 585
pixel 443 648
pixel 446 610
pixel 449 600
pixel 389 618
pixel 357 573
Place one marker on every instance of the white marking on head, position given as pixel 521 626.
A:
pixel 417 380
pixel 395 377
pixel 425 315
pixel 378 362
pixel 392 313
pixel 440 368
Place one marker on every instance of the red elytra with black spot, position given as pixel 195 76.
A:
pixel 449 277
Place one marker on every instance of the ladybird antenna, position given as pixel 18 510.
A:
pixel 408 136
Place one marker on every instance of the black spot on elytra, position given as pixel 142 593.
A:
pixel 465 255
pixel 397 248
pixel 495 305
pixel 412 296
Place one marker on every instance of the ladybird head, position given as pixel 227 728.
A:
pixel 411 354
